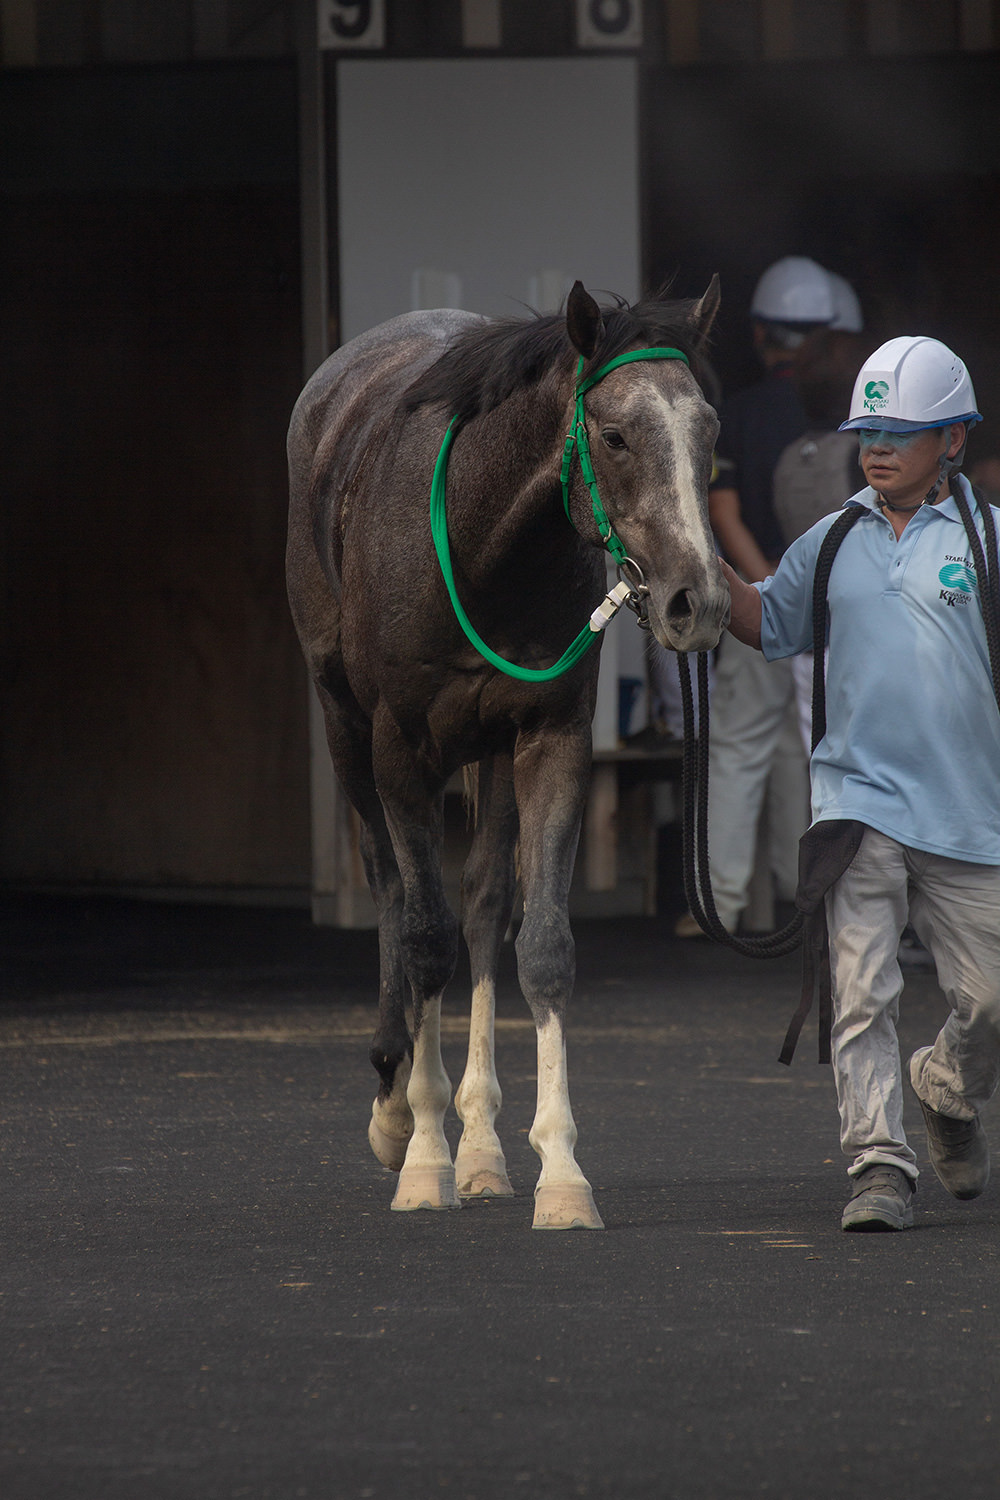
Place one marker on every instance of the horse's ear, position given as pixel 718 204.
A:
pixel 584 323
pixel 704 310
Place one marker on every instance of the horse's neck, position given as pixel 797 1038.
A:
pixel 507 493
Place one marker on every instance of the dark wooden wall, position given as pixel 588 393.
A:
pixel 887 171
pixel 153 698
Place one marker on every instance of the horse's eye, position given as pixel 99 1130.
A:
pixel 613 438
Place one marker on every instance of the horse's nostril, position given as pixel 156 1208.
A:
pixel 680 607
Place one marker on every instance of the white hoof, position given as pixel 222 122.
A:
pixel 388 1146
pixel 482 1174
pixel 567 1205
pixel 425 1187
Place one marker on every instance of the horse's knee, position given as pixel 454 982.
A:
pixel 485 919
pixel 429 940
pixel 546 959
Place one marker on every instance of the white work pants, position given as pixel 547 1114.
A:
pixel 955 908
pixel 666 701
pixel 755 748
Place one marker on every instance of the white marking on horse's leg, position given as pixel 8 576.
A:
pixel 427 1178
pixel 480 1168
pixel 563 1198
pixel 392 1122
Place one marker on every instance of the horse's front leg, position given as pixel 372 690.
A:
pixel 487 898
pixel 429 947
pixel 550 777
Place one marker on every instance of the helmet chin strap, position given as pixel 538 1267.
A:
pixel 946 467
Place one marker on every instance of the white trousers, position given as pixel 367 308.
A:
pixel 955 908
pixel 666 702
pixel 755 749
pixel 802 673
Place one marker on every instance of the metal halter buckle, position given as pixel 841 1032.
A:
pixel 638 590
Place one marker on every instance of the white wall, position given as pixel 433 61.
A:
pixel 496 171
pixel 490 184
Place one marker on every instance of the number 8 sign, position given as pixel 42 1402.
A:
pixel 608 23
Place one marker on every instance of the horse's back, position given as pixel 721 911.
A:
pixel 363 379
pixel 337 429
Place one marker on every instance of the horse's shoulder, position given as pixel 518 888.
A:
pixel 404 339
pixel 376 366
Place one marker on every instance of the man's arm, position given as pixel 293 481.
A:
pixel 735 537
pixel 745 613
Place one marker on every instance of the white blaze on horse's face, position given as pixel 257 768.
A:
pixel 652 436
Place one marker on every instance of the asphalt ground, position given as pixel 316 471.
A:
pixel 204 1293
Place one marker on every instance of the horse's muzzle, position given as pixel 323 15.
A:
pixel 695 619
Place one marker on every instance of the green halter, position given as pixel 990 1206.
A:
pixel 576 438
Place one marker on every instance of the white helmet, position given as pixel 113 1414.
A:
pixel 793 290
pixel 909 384
pixel 847 315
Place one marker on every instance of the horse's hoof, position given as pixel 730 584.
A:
pixel 482 1174
pixel 390 1150
pixel 567 1205
pixel 425 1187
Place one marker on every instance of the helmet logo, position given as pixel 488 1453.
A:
pixel 876 395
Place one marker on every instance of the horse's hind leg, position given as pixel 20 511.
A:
pixel 429 946
pixel 427 1176
pixel 391 1124
pixel 349 739
pixel 551 777
pixel 487 898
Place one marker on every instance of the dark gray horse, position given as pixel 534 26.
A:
pixel 409 698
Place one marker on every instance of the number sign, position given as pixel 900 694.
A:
pixel 609 23
pixel 351 24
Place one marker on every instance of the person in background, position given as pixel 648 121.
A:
pixel 986 476
pixel 666 709
pixel 820 467
pixel 755 747
pixel 906 774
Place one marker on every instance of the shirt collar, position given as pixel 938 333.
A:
pixel 946 507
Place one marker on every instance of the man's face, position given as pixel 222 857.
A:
pixel 903 466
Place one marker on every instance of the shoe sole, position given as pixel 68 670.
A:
pixel 871 1221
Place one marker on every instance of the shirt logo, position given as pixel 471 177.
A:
pixel 876 395
pixel 958 576
pixel 958 583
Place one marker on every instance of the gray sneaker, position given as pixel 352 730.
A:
pixel 958 1149
pixel 882 1199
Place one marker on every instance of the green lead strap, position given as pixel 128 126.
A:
pixel 576 439
pixel 626 359
pixel 439 530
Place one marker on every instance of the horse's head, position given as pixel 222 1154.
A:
pixel 650 434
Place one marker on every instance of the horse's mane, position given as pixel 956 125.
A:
pixel 492 359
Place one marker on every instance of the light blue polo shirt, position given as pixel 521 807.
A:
pixel 912 746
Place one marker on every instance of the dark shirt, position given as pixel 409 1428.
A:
pixel 757 424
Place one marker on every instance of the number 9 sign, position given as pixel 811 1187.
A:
pixel 348 24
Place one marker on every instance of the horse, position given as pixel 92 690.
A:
pixel 492 416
